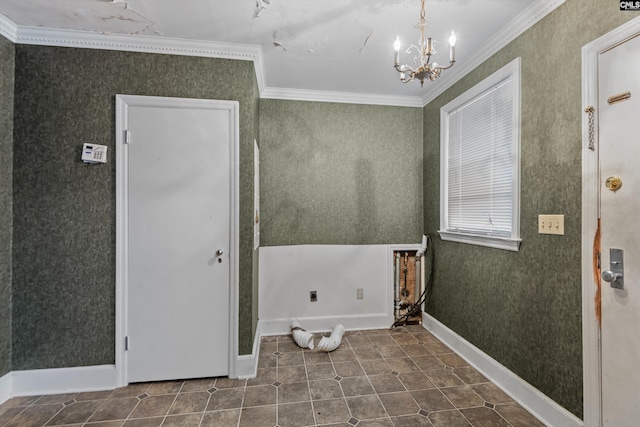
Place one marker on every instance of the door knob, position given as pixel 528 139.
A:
pixel 610 276
pixel 219 252
pixel 615 274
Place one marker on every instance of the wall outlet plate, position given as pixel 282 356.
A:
pixel 313 296
pixel 359 293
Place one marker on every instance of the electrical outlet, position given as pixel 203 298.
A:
pixel 359 293
pixel 313 296
pixel 551 224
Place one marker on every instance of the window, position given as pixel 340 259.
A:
pixel 480 163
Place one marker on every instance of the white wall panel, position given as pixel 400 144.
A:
pixel 289 273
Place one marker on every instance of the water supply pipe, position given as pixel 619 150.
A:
pixel 396 284
pixel 417 288
pixel 419 254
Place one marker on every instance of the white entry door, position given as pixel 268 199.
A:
pixel 177 227
pixel 619 152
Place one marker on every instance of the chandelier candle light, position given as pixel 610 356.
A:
pixel 425 69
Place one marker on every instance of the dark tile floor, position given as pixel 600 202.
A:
pixel 380 378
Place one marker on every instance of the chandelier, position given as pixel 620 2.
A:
pixel 424 68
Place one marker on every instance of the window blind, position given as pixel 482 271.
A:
pixel 480 164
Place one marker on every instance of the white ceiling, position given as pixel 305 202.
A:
pixel 307 45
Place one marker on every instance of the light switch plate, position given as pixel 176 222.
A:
pixel 551 224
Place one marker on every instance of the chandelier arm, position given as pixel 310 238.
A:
pixel 447 67
pixel 407 68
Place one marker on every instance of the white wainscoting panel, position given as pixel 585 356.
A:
pixel 289 273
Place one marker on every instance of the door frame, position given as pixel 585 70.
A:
pixel 591 349
pixel 122 104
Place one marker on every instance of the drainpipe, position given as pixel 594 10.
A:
pixel 333 341
pixel 303 338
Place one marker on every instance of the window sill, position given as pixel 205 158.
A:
pixel 480 240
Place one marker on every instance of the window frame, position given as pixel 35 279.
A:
pixel 512 243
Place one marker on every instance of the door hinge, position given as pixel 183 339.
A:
pixel 126 343
pixel 127 137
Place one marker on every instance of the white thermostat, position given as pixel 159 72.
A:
pixel 93 153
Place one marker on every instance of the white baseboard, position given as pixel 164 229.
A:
pixel 62 380
pixel 247 364
pixel 530 398
pixel 5 387
pixel 324 324
pixel 93 378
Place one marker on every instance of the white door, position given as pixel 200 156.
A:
pixel 178 227
pixel 619 152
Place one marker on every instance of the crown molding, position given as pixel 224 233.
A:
pixel 341 97
pixel 510 32
pixel 8 28
pixel 135 43
pixel 243 52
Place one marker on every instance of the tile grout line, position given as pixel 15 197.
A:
pixel 136 405
pixel 62 409
pixel 437 386
pixel 172 403
pixel 420 370
pixel 345 397
pixel 403 385
pixel 380 400
pixel 440 388
pixel 306 372
pixel 278 378
pixel 24 408
pixel 463 385
pixel 369 379
pixel 244 392
pixel 472 390
pixel 206 405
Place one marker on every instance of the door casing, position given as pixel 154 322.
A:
pixel 592 390
pixel 122 104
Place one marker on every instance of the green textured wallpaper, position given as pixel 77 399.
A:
pixel 524 309
pixel 64 211
pixel 7 60
pixel 340 173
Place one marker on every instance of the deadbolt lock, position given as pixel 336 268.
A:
pixel 613 183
